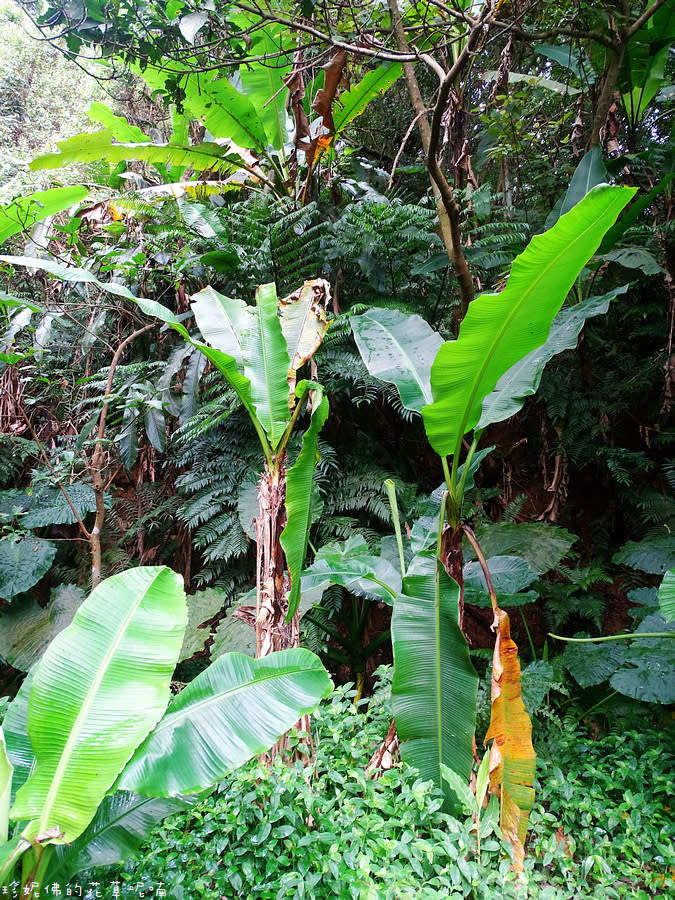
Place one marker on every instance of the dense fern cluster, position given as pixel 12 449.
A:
pixel 217 458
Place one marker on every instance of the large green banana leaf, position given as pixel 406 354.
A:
pixel 122 822
pixel 82 276
pixel 499 329
pixel 15 726
pixel 241 338
pixel 435 686
pixel 225 112
pixel 299 494
pixel 263 82
pixel 667 596
pixel 266 365
pixel 373 84
pixel 522 380
pixel 250 350
pixel 235 709
pixel 6 770
pixel 98 690
pixel 98 145
pixel 222 320
pixel 590 171
pixel 21 214
pixel 399 349
pixel 118 126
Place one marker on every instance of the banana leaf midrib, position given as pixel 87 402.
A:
pixel 189 710
pixel 66 755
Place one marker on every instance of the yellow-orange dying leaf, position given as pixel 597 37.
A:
pixel 512 758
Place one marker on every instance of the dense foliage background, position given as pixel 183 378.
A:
pixel 233 146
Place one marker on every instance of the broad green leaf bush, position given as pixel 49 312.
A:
pixel 601 827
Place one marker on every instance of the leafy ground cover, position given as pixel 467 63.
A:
pixel 601 826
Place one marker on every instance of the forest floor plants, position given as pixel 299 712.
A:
pixel 326 830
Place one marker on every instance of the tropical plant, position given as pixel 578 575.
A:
pixel 23 213
pixel 87 744
pixel 639 665
pixel 600 827
pixel 461 386
pixel 259 350
pixel 248 124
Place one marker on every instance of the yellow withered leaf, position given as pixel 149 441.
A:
pixel 304 323
pixel 512 757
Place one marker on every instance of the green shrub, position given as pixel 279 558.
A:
pixel 600 827
pixel 322 830
pixel 606 804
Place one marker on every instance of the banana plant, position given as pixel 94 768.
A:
pixel 23 213
pixel 248 123
pixel 460 387
pixel 259 350
pixel 93 751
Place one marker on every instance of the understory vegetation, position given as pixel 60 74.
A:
pixel 601 826
pixel 336 351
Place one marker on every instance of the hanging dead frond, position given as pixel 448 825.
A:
pixel 512 757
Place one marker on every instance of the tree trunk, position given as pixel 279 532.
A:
pixel 272 632
pixel 446 205
pixel 606 97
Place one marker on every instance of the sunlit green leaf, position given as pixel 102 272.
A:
pixel 499 329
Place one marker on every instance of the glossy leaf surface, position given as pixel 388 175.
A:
pixel 510 575
pixel 122 822
pixel 373 84
pixel 23 562
pixel 654 554
pixel 28 628
pixel 6 770
pixel 15 727
pixel 75 274
pixel 266 365
pixel 590 172
pixel 541 544
pixel 353 565
pixel 234 710
pixel 398 349
pixel 667 596
pixel 92 147
pixel 98 690
pixel 522 380
pixel 263 83
pixel 592 664
pixel 499 329
pixel 435 686
pixel 23 213
pixel 222 321
pixel 225 112
pixel 647 672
